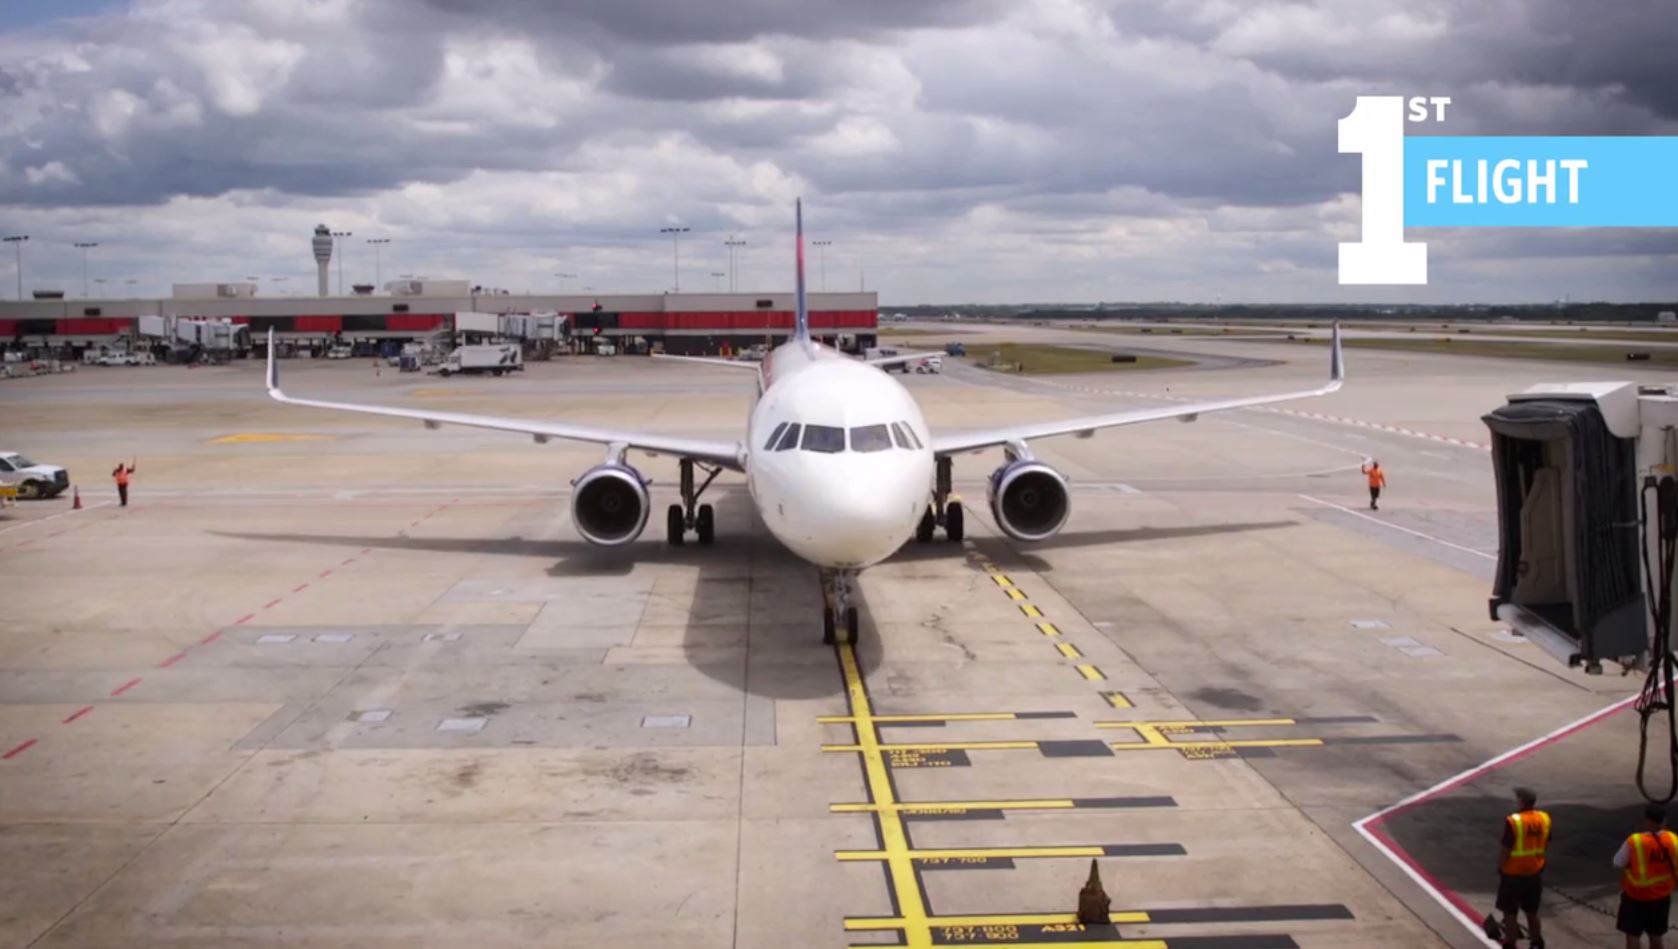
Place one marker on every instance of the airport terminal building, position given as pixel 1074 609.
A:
pixel 687 323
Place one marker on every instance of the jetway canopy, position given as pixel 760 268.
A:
pixel 1568 524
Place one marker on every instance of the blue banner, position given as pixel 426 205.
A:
pixel 1540 181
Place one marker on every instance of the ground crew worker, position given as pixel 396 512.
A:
pixel 1377 481
pixel 1646 880
pixel 122 473
pixel 1520 866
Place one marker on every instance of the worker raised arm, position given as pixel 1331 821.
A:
pixel 1377 480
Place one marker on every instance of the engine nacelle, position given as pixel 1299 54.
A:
pixel 609 504
pixel 1029 500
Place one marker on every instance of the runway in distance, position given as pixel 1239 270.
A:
pixel 839 462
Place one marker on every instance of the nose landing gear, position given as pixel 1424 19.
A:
pixel 838 610
pixel 944 511
pixel 690 515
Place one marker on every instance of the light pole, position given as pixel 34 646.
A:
pixel 378 262
pixel 675 252
pixel 563 277
pixel 17 239
pixel 821 256
pixel 340 251
pixel 84 245
pixel 731 243
pixel 719 275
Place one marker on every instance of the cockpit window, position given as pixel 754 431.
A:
pixel 824 438
pixel 870 438
pixel 897 435
pixel 907 435
pixel 789 439
pixel 773 436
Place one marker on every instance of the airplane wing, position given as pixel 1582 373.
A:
pixel 1084 427
pixel 724 454
pixel 711 361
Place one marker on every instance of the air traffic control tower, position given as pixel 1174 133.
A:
pixel 323 254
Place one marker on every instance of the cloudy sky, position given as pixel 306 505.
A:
pixel 951 150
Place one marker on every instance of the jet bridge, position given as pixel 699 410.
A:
pixel 1585 490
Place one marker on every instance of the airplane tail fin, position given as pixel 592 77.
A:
pixel 801 328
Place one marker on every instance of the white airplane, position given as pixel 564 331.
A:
pixel 838 459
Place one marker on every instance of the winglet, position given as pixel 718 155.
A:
pixel 273 369
pixel 801 328
pixel 1336 359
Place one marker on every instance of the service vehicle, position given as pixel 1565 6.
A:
pixel 955 349
pixel 931 364
pixel 30 479
pixel 480 358
pixel 881 355
pixel 340 351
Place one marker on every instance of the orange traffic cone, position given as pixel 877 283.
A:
pixel 76 499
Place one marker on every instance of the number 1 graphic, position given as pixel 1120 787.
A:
pixel 1375 130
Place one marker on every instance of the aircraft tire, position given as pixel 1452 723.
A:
pixel 827 626
pixel 925 529
pixel 673 526
pixel 850 625
pixel 705 525
pixel 954 522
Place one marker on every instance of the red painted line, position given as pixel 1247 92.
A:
pixel 131 683
pixel 78 713
pixel 346 562
pixel 20 749
pixel 244 619
pixel 210 638
pixel 272 603
pixel 177 657
pixel 1369 826
pixel 326 573
pixel 300 587
pixel 366 550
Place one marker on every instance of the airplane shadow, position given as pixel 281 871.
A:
pixel 1013 554
pixel 784 658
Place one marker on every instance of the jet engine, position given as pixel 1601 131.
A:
pixel 1029 500
pixel 609 504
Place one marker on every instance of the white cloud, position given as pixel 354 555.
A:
pixel 957 149
pixel 51 173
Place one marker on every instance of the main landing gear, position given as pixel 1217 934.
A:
pixel 943 511
pixel 690 515
pixel 838 610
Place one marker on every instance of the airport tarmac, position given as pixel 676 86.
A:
pixel 336 680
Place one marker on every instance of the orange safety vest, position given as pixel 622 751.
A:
pixel 1532 838
pixel 121 474
pixel 1648 874
pixel 1377 478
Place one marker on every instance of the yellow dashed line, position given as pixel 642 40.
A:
pixel 977 852
pixel 941 806
pixel 1091 673
pixel 871 923
pixel 1048 629
pixel 1069 651
pixel 1002 580
pixel 249 437
pixel 934 747
pixel 1117 700
pixel 931 717
pixel 1031 611
pixel 1014 593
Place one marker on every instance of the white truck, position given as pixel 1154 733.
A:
pixel 30 479
pixel 477 359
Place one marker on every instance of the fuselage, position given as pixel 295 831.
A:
pixel 846 487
